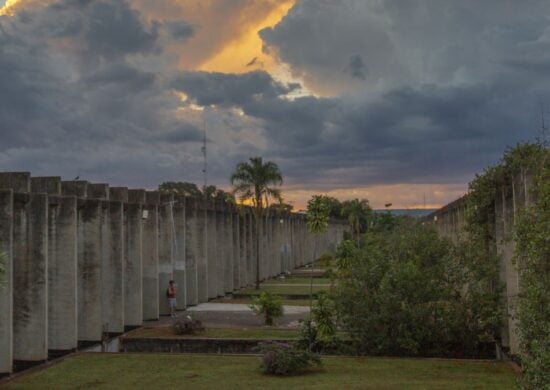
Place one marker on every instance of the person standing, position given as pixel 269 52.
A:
pixel 171 295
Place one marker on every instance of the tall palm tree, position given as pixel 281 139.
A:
pixel 357 212
pixel 256 181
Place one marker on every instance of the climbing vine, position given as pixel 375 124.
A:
pixel 532 256
pixel 532 253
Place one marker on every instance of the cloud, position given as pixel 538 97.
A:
pixel 180 29
pixel 356 68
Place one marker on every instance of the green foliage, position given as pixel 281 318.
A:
pixel 317 214
pixel 323 313
pixel 402 293
pixel 357 212
pixel 187 326
pixel 211 192
pixel 269 305
pixel 256 181
pixel 532 236
pixel 283 359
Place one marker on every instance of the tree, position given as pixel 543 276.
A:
pixel 357 212
pixel 317 223
pixel 256 181
pixel 210 192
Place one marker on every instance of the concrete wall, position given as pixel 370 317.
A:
pixel 87 259
pixel 450 221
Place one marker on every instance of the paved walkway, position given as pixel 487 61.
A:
pixel 239 307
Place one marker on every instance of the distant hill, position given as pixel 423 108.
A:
pixel 409 212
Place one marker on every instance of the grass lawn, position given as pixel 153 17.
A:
pixel 248 301
pixel 284 289
pixel 219 333
pixel 149 371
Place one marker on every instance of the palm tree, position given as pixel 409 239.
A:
pixel 255 181
pixel 357 212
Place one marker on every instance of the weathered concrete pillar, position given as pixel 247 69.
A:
pixel 90 321
pixel 243 243
pixel 221 247
pixel 166 248
pixel 180 269
pixel 112 273
pixel 133 276
pixel 227 256
pixel 192 243
pixel 212 251
pixel 62 268
pixel 252 252
pixel 236 248
pixel 150 256
pixel 88 274
pixel 202 250
pixel 6 281
pixel 30 279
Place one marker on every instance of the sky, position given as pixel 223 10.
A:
pixel 396 101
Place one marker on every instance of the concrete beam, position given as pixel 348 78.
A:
pixel 98 191
pixel 49 185
pixel 78 188
pixel 30 279
pixel 6 282
pixel 16 181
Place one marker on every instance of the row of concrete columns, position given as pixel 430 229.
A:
pixel 84 260
pixel 510 198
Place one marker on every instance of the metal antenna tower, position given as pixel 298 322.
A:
pixel 204 154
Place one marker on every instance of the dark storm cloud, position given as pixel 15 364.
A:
pixel 81 93
pixel 213 88
pixel 356 68
pixel 180 29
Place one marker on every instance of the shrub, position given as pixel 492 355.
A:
pixel 402 293
pixel 284 359
pixel 269 305
pixel 323 313
pixel 188 326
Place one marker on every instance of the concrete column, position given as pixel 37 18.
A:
pixel 166 248
pixel 221 248
pixel 62 273
pixel 180 270
pixel 30 279
pixel 227 248
pixel 236 249
pixel 133 276
pixel 211 254
pixel 150 256
pixel 90 325
pixel 6 281
pixel 252 232
pixel 112 273
pixel 202 250
pixel 242 249
pixel 191 250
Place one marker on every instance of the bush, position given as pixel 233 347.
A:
pixel 188 326
pixel 269 305
pixel 402 293
pixel 284 359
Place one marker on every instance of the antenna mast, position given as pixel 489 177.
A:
pixel 204 154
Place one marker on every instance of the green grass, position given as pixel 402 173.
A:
pixel 248 301
pixel 148 371
pixel 283 290
pixel 219 333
